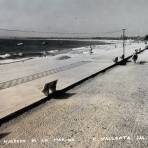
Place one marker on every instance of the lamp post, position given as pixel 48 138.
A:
pixel 123 43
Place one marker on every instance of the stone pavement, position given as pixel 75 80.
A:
pixel 22 83
pixel 108 111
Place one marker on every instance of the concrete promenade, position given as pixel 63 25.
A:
pixel 22 83
pixel 108 111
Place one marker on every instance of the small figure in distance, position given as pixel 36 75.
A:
pixel 115 60
pixel 122 57
pixel 91 50
pixel 135 57
pixel 136 50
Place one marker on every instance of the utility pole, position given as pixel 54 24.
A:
pixel 123 43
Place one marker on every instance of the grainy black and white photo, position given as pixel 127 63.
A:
pixel 73 73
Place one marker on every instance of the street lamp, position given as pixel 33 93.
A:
pixel 123 56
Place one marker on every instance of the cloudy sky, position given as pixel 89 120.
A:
pixel 75 15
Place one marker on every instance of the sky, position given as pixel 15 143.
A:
pixel 78 16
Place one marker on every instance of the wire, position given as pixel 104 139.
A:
pixel 66 33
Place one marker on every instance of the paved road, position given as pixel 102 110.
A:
pixel 35 76
pixel 109 111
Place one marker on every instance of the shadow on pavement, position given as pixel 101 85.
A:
pixel 142 62
pixel 62 95
pixel 2 135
